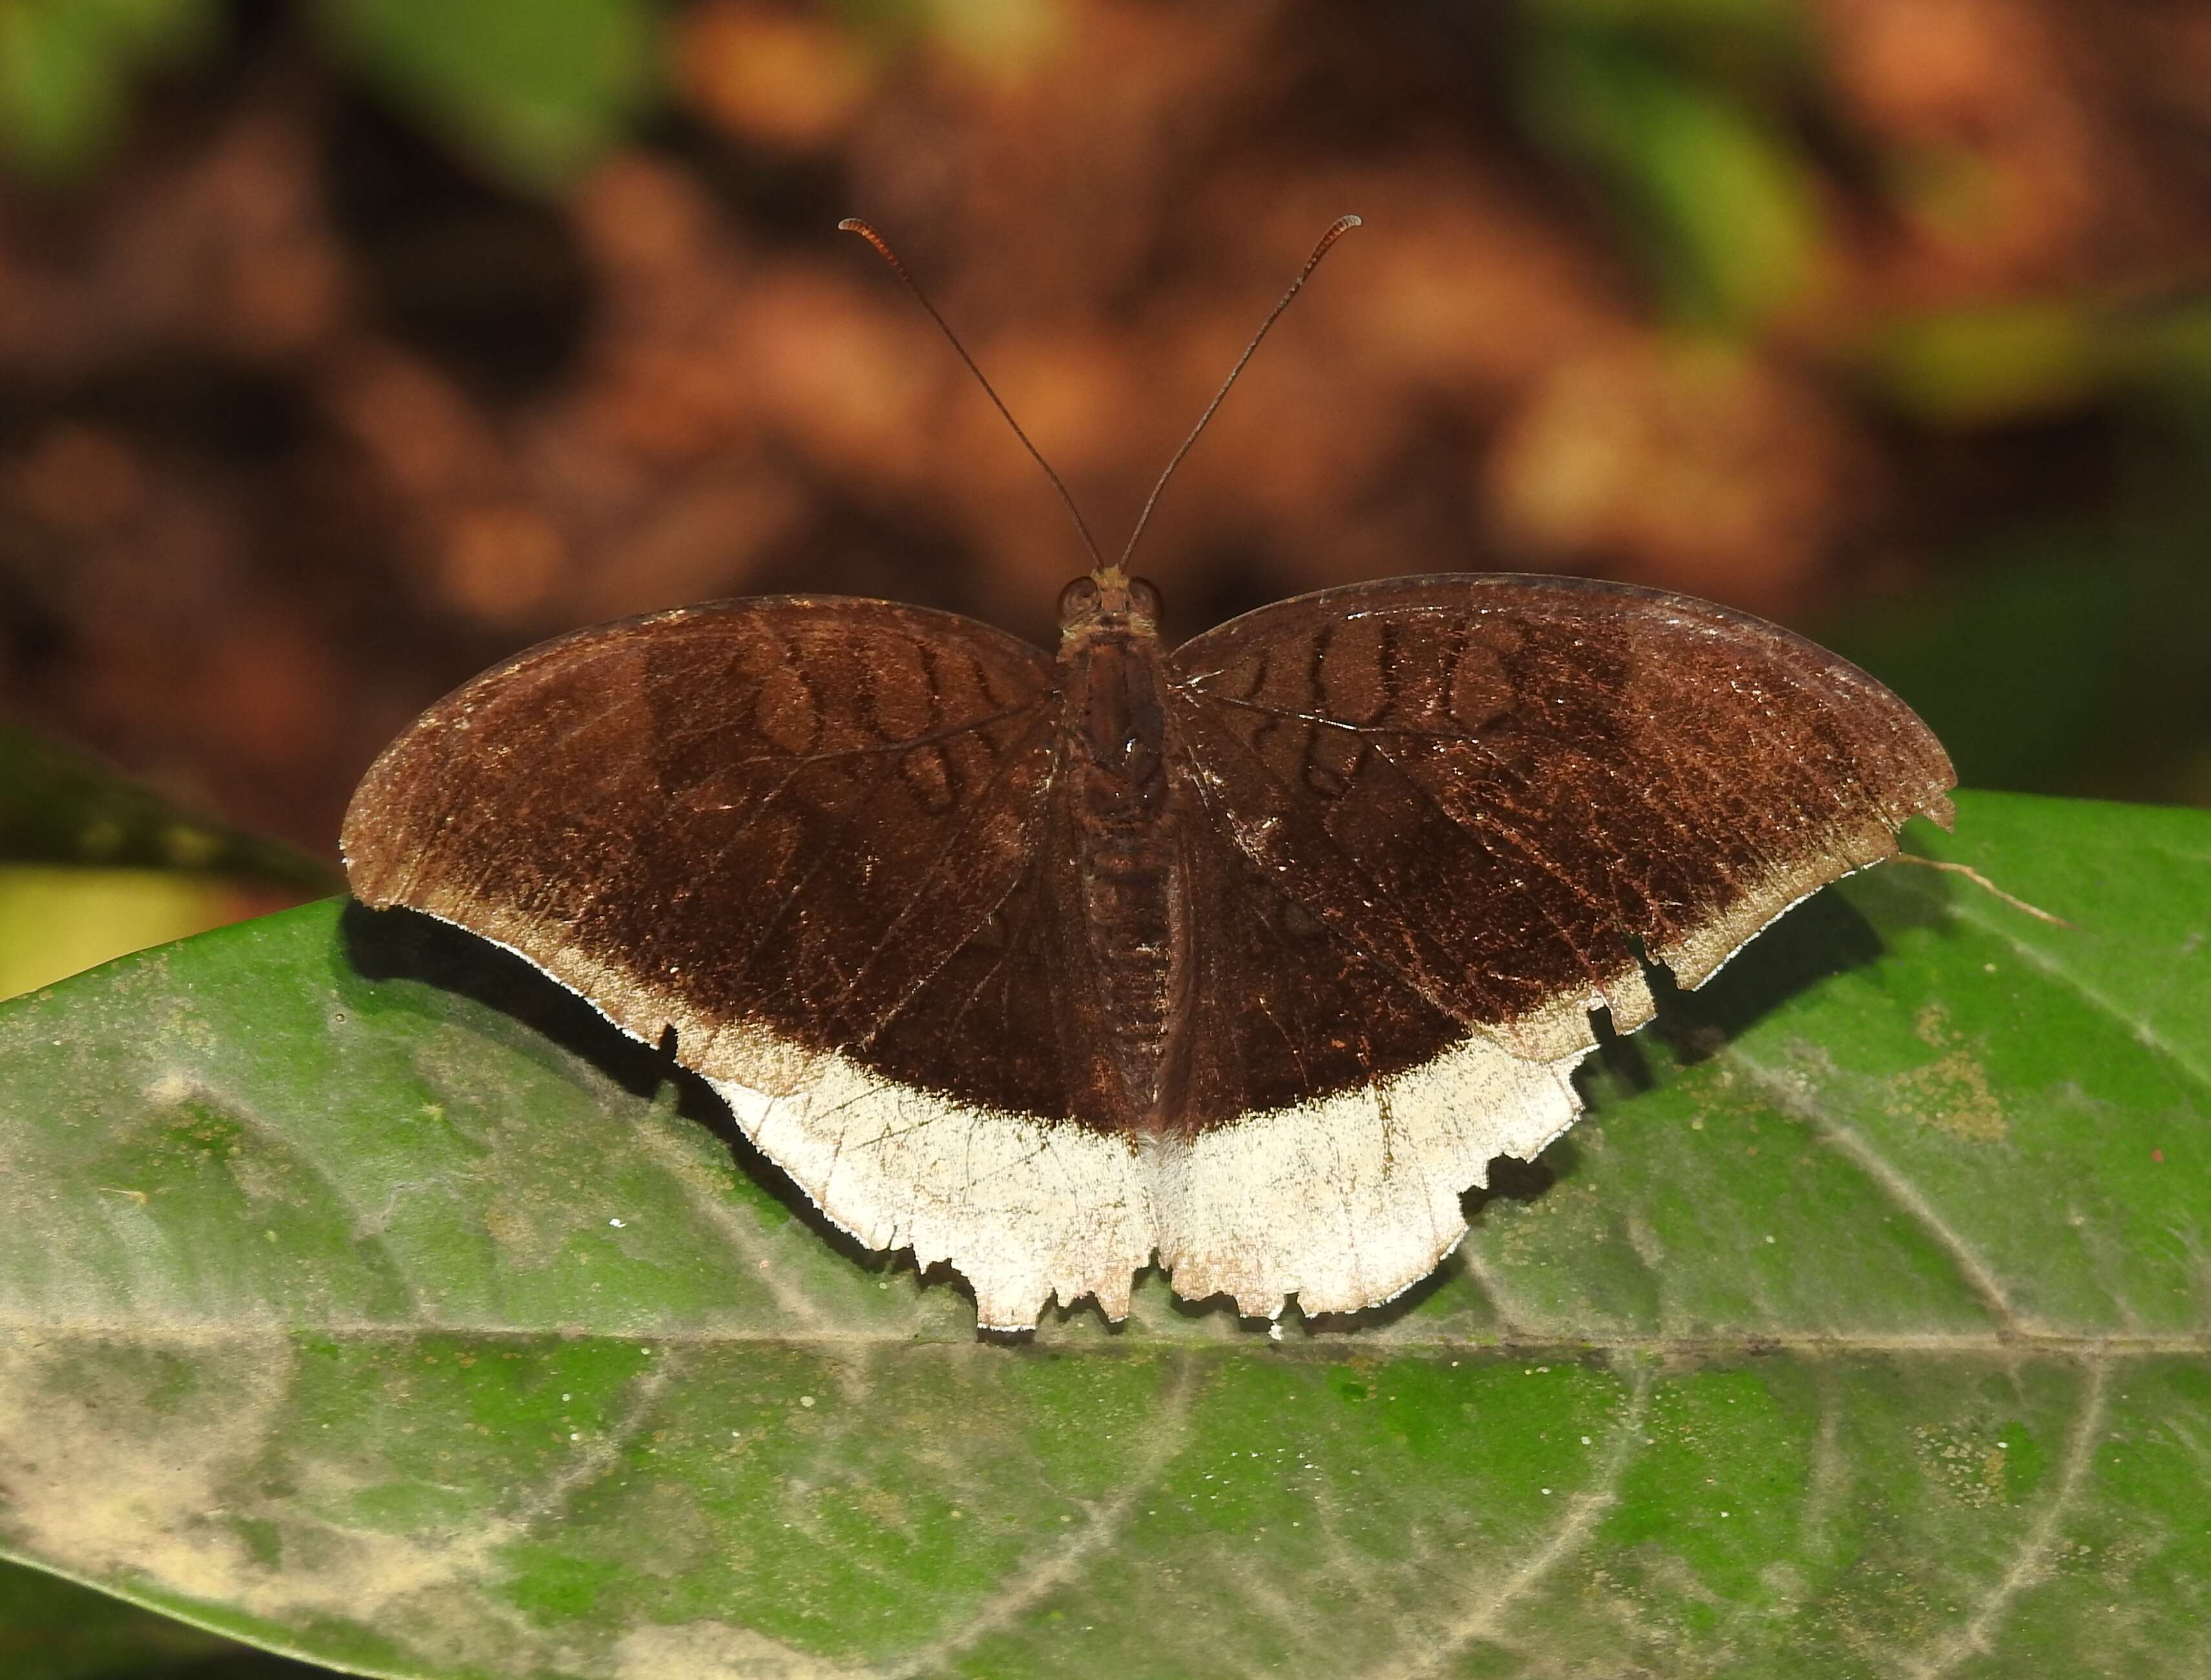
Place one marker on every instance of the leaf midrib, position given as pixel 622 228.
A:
pixel 2087 1344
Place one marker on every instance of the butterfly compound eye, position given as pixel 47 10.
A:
pixel 1077 601
pixel 1144 599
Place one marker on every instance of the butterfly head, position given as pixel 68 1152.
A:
pixel 1109 600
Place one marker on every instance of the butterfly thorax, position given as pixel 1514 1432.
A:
pixel 1132 886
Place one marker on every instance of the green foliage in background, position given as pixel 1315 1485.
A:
pixel 93 864
pixel 66 67
pixel 363 1296
pixel 2069 653
pixel 61 805
pixel 532 92
pixel 1677 110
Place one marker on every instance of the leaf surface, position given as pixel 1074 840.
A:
pixel 364 1296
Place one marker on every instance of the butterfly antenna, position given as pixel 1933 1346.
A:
pixel 853 224
pixel 1342 226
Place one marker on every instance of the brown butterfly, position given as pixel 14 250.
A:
pixel 1249 955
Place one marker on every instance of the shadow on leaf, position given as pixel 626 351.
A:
pixel 402 944
pixel 1821 938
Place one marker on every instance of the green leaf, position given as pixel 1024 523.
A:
pixel 1982 366
pixel 2018 657
pixel 535 92
pixel 361 1296
pixel 1990 364
pixel 53 1629
pixel 1721 197
pixel 64 66
pixel 59 805
pixel 92 864
pixel 55 922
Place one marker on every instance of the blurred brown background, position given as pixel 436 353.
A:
pixel 348 347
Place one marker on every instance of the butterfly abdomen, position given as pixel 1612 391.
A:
pixel 1133 890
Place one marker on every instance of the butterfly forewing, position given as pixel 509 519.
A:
pixel 789 814
pixel 1491 785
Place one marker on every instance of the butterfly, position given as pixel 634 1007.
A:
pixel 1246 956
